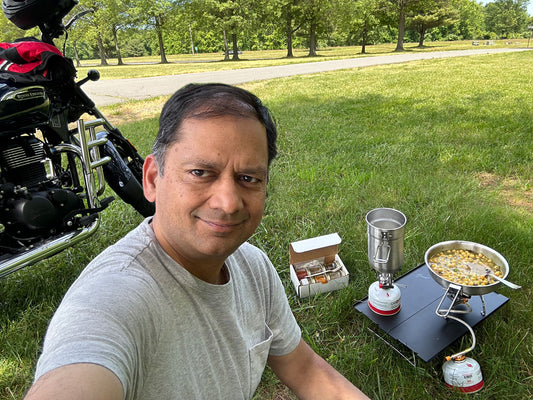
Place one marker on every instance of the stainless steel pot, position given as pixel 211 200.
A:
pixel 496 257
pixel 385 227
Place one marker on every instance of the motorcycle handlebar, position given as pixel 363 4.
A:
pixel 92 75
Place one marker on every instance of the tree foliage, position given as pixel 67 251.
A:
pixel 125 28
pixel 432 14
pixel 362 20
pixel 471 19
pixel 232 17
pixel 506 17
pixel 287 16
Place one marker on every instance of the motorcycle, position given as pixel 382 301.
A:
pixel 54 162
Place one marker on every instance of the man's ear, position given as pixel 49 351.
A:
pixel 150 175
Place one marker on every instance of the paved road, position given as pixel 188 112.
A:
pixel 107 92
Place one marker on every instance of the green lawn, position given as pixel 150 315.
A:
pixel 446 141
pixel 187 63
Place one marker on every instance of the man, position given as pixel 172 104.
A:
pixel 183 307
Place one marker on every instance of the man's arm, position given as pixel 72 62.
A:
pixel 77 381
pixel 309 376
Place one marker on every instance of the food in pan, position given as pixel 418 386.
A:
pixel 464 267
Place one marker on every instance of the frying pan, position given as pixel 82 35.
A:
pixel 496 257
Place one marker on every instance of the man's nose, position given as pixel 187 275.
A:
pixel 226 196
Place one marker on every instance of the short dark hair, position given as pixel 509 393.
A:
pixel 209 100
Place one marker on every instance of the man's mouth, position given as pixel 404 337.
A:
pixel 222 226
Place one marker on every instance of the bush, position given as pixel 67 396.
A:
pixel 490 35
pixel 452 37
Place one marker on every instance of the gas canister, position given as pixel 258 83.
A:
pixel 463 374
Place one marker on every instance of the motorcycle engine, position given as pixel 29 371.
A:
pixel 33 206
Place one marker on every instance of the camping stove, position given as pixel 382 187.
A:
pixel 385 255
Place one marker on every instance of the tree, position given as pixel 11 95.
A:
pixel 106 19
pixel 288 13
pixel 291 13
pixel 431 14
pixel 360 18
pixel 126 26
pixel 77 33
pixel 10 32
pixel 470 22
pixel 155 14
pixel 114 12
pixel 231 16
pixel 316 15
pixel 401 9
pixel 95 26
pixel 506 17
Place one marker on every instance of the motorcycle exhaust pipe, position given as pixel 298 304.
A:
pixel 47 249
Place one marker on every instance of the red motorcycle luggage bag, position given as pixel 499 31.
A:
pixel 30 61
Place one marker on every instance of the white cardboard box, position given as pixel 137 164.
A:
pixel 323 249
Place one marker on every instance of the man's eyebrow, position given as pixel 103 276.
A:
pixel 255 171
pixel 199 163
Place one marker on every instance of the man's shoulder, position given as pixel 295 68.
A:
pixel 253 262
pixel 126 252
pixel 247 247
pixel 120 271
pixel 250 253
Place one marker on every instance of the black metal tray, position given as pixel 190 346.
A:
pixel 417 326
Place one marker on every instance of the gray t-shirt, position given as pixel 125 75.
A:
pixel 167 334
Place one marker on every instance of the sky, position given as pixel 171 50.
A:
pixel 529 6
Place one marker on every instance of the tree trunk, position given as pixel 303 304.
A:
pixel 159 30
pixel 101 50
pixel 190 37
pixel 76 56
pixel 235 47
pixel 226 50
pixel 401 30
pixel 312 40
pixel 117 47
pixel 365 37
pixel 289 38
pixel 422 35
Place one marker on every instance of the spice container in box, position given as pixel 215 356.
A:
pixel 315 265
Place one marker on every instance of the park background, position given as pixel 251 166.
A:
pixel 448 142
pixel 133 28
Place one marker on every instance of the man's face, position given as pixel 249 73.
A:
pixel 211 196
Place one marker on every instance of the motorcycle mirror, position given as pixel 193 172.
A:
pixel 93 75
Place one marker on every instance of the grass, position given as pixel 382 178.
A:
pixel 446 141
pixel 187 63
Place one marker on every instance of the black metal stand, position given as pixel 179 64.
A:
pixel 417 326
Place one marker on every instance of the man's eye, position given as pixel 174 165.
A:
pixel 250 179
pixel 199 172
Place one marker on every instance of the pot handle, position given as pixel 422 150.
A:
pixel 380 260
